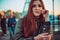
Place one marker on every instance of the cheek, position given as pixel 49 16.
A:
pixel 40 9
pixel 33 10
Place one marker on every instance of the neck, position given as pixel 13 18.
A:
pixel 37 16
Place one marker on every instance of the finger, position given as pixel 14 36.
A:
pixel 50 35
pixel 44 33
pixel 45 37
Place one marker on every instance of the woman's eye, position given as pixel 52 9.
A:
pixel 39 5
pixel 34 5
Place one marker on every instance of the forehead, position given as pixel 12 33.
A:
pixel 37 2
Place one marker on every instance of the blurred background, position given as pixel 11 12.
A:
pixel 20 8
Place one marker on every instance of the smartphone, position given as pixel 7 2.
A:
pixel 46 27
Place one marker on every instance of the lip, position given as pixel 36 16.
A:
pixel 36 11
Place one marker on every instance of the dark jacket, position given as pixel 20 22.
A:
pixel 3 22
pixel 11 21
pixel 19 35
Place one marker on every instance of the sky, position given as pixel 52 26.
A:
pixel 18 5
pixel 57 7
pixel 49 6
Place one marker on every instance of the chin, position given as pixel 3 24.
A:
pixel 37 14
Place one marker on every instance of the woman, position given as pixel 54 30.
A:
pixel 32 24
pixel 3 22
pixel 11 23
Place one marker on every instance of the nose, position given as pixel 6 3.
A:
pixel 37 7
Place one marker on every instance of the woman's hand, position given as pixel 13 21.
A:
pixel 12 25
pixel 42 36
pixel 50 36
pixel 45 12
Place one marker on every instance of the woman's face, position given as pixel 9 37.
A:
pixel 37 8
pixel 11 13
pixel 2 13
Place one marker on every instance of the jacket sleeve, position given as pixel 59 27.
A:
pixel 14 23
pixel 19 35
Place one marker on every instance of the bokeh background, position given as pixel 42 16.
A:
pixel 20 7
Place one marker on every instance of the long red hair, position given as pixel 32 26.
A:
pixel 28 23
